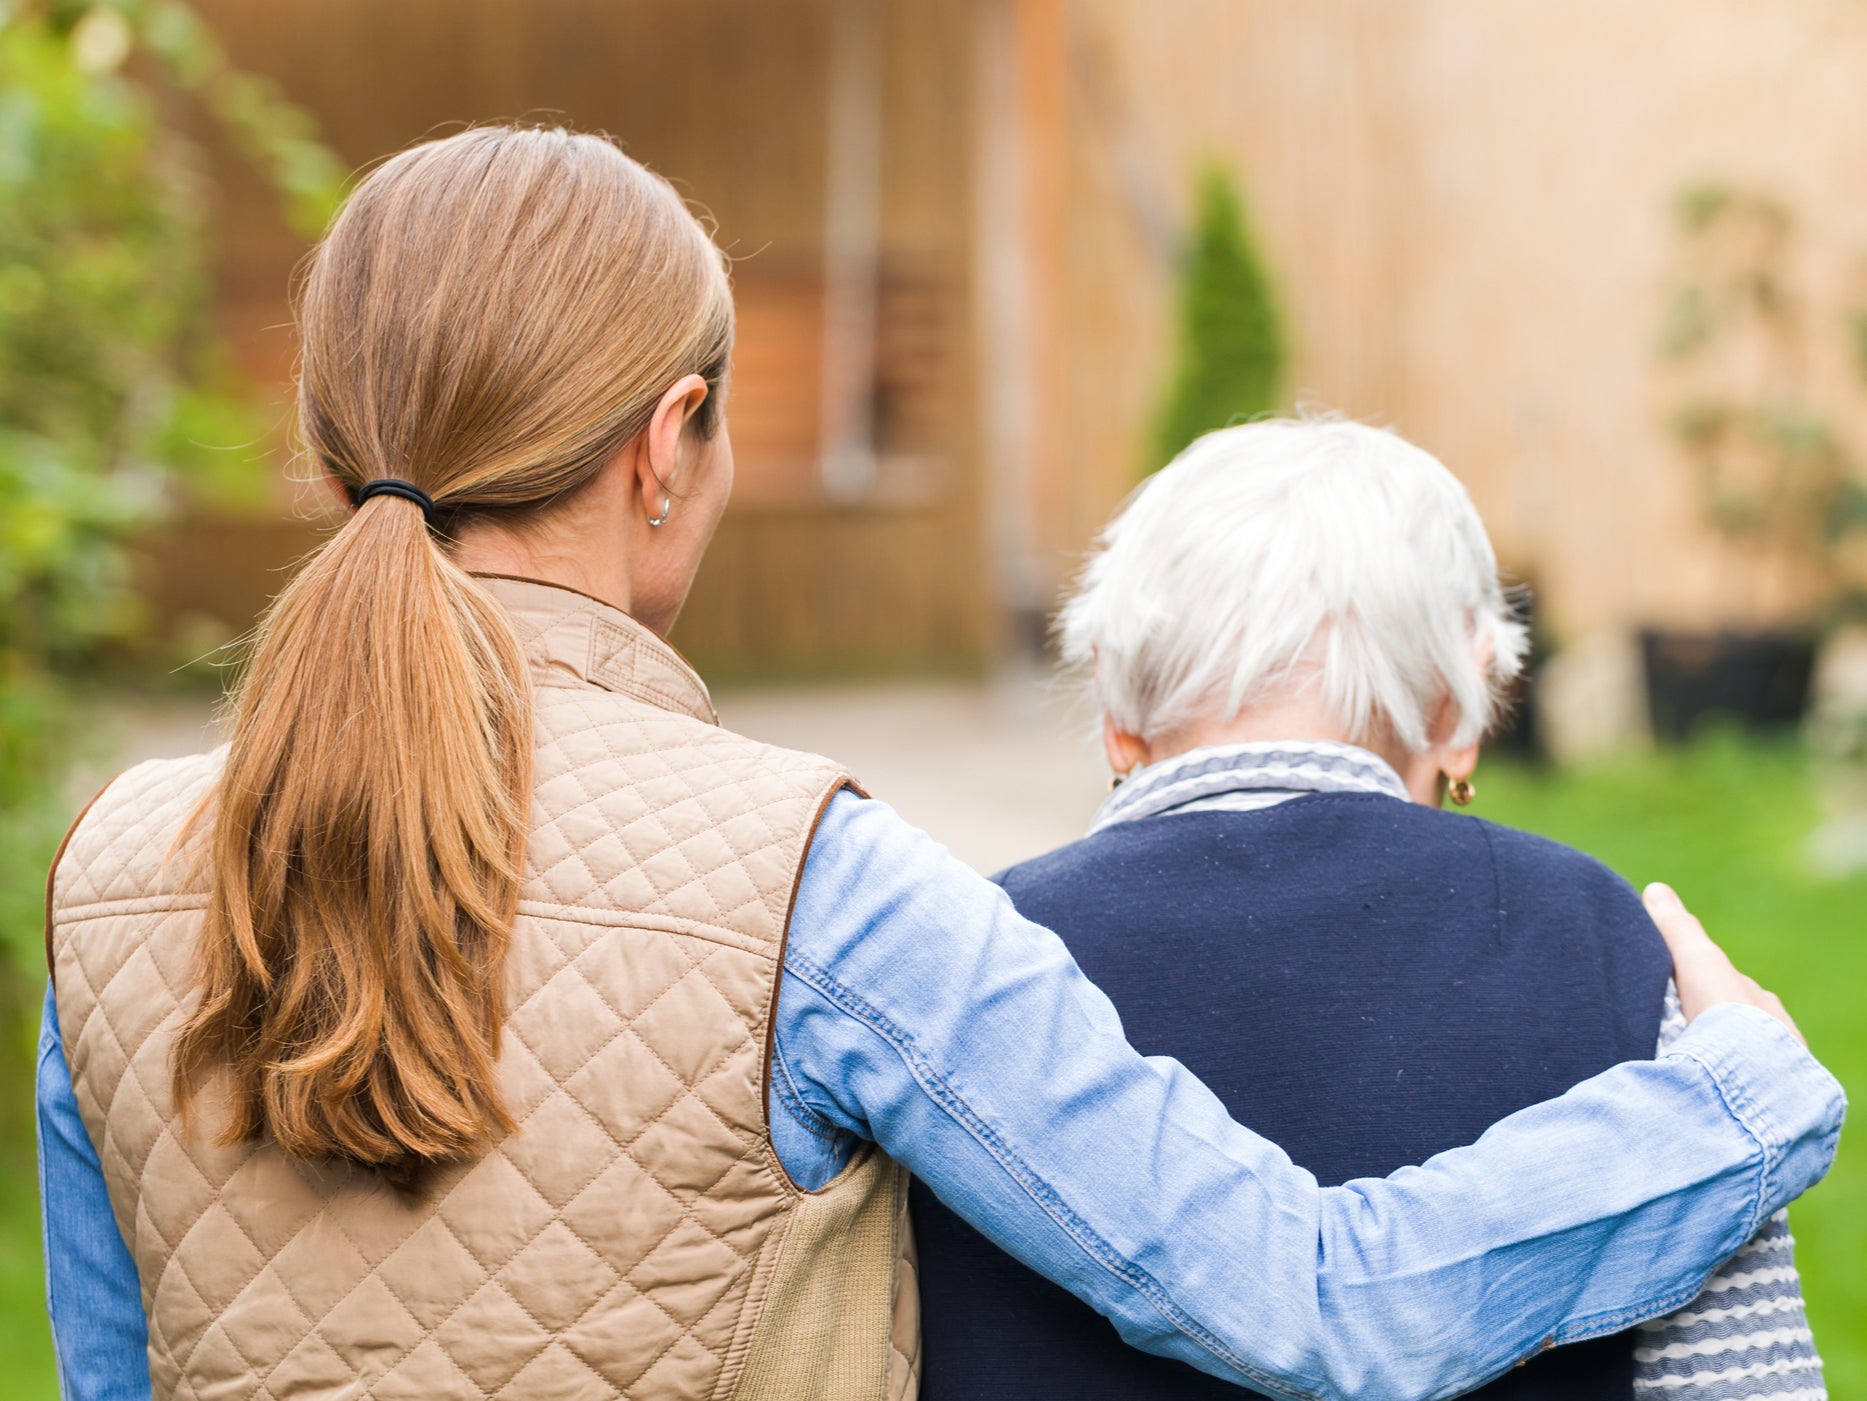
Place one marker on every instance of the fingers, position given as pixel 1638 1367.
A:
pixel 1700 969
pixel 1704 974
pixel 1679 927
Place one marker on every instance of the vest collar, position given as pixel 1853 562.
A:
pixel 573 639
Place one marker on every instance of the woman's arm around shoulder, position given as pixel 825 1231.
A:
pixel 920 1011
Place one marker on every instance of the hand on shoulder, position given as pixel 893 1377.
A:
pixel 1703 971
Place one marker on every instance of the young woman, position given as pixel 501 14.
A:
pixel 484 1020
pixel 1298 638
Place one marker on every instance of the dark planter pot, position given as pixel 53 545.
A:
pixel 1520 733
pixel 1758 679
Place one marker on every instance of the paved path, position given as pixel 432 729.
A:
pixel 998 770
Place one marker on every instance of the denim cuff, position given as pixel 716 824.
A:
pixel 1784 1098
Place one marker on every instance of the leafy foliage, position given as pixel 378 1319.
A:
pixel 1229 364
pixel 114 392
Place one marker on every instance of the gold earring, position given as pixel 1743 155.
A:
pixel 1462 791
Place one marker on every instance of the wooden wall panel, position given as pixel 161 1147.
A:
pixel 1467 206
pixel 839 592
pixel 726 97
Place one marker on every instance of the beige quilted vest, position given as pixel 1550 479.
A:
pixel 635 1237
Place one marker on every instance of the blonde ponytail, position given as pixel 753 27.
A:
pixel 369 837
pixel 491 318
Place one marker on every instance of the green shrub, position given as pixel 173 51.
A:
pixel 115 394
pixel 1229 361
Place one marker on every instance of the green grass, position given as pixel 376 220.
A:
pixel 26 1370
pixel 1725 823
pixel 29 834
pixel 1727 826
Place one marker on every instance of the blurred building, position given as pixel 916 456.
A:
pixel 834 143
pixel 955 222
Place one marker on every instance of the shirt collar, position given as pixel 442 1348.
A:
pixel 1243 777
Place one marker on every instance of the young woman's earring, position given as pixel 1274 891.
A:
pixel 667 504
pixel 1462 791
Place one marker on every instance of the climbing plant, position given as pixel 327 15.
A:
pixel 114 389
pixel 1778 478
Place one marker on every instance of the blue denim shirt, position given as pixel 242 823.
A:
pixel 919 1011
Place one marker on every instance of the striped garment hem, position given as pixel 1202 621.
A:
pixel 1711 1347
pixel 1749 1279
pixel 1766 1382
pixel 1736 1313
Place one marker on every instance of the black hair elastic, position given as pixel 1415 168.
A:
pixel 395 486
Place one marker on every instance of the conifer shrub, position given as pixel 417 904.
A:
pixel 1230 349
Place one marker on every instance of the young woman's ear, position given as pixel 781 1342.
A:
pixel 664 444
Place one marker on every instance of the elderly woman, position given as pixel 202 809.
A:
pixel 1298 639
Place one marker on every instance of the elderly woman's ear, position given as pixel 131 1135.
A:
pixel 1126 752
pixel 1442 768
pixel 1456 762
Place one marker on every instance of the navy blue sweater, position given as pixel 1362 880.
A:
pixel 1365 981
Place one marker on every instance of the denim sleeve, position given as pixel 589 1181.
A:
pixel 918 1010
pixel 91 1289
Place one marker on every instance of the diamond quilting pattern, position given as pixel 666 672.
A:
pixel 607 1247
pixel 675 831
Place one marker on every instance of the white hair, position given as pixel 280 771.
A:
pixel 1285 554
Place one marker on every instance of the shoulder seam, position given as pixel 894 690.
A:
pixel 1497 885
